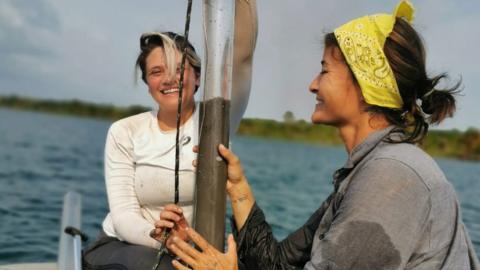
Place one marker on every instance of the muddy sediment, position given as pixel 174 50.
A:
pixel 210 196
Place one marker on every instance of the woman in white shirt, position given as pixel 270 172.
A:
pixel 140 150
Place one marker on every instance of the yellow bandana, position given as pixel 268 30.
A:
pixel 361 41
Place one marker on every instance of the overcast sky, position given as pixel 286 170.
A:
pixel 66 49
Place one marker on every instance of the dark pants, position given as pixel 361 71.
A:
pixel 109 253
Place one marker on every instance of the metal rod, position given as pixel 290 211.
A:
pixel 210 196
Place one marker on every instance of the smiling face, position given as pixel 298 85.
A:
pixel 339 98
pixel 163 86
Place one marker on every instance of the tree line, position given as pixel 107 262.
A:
pixel 446 143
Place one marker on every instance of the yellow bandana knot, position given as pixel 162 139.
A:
pixel 361 42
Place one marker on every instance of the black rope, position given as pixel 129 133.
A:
pixel 166 233
pixel 180 91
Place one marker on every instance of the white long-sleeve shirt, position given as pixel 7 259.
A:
pixel 139 175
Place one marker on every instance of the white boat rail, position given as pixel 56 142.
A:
pixel 70 247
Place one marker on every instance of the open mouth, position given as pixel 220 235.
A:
pixel 169 91
pixel 320 101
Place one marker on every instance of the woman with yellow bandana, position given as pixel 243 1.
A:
pixel 392 207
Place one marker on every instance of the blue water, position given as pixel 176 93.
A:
pixel 42 156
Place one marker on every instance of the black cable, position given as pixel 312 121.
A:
pixel 166 233
pixel 180 91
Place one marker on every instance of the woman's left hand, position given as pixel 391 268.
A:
pixel 207 259
pixel 171 217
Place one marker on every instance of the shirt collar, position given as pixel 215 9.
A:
pixel 362 149
pixel 359 152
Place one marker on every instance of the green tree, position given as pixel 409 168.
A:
pixel 288 117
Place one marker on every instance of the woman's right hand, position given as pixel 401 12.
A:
pixel 235 170
pixel 238 189
pixel 208 258
pixel 171 217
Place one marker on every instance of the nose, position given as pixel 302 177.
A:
pixel 313 87
pixel 172 79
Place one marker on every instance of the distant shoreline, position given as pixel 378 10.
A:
pixel 443 143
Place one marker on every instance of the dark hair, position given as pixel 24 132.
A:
pixel 150 41
pixel 423 102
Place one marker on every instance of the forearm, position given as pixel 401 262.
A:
pixel 242 201
pixel 134 229
pixel 257 247
pixel 127 218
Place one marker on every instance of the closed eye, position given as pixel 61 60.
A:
pixel 156 72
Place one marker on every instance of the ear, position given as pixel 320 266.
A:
pixel 362 99
pixel 197 82
pixel 358 92
pixel 363 103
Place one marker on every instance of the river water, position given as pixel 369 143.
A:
pixel 42 156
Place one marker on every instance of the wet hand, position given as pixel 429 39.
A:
pixel 208 258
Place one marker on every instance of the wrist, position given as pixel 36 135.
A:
pixel 239 187
pixel 240 193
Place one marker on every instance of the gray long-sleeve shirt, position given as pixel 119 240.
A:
pixel 393 209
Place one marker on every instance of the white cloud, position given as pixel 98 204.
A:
pixel 10 16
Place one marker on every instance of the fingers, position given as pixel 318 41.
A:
pixel 183 250
pixel 231 158
pixel 224 152
pixel 179 266
pixel 161 224
pixel 195 150
pixel 187 248
pixel 174 208
pixel 197 238
pixel 170 216
pixel 182 255
pixel 172 213
pixel 157 234
pixel 179 232
pixel 232 246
